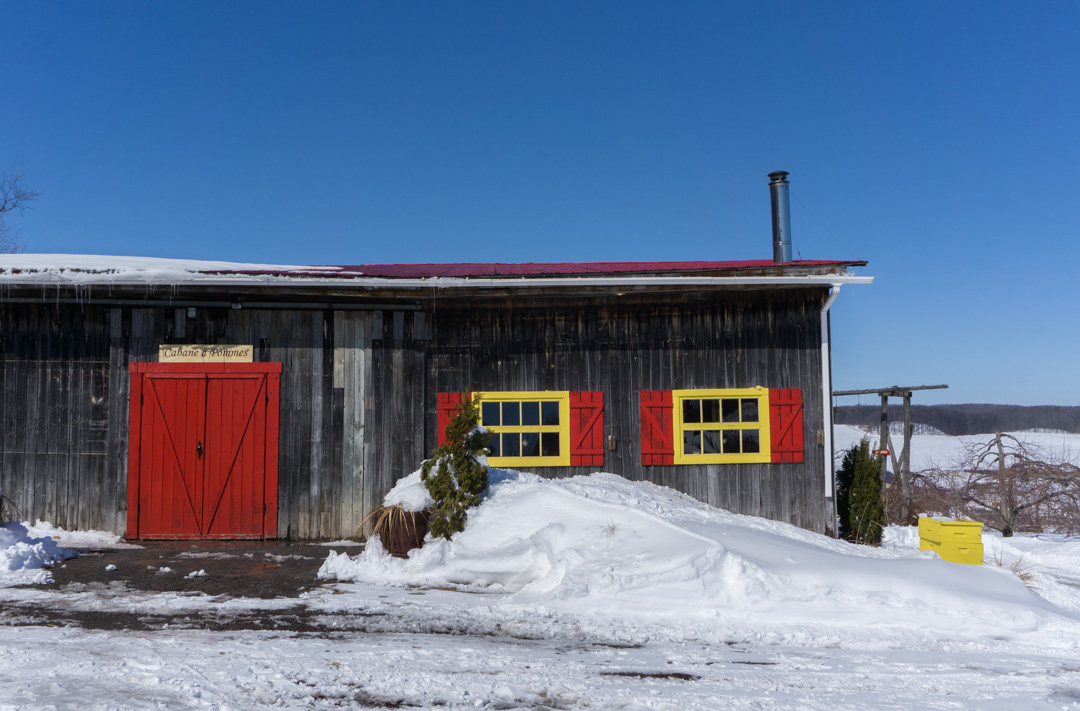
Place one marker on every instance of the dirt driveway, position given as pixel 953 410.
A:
pixel 238 569
pixel 220 571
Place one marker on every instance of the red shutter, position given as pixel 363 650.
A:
pixel 657 442
pixel 786 423
pixel 587 429
pixel 448 403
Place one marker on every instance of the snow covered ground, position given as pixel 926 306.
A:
pixel 25 556
pixel 592 593
pixel 930 451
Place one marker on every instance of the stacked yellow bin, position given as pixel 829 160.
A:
pixel 955 541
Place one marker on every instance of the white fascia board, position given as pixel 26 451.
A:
pixel 364 283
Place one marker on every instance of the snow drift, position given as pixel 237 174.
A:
pixel 600 544
pixel 25 557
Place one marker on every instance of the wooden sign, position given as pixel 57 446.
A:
pixel 205 354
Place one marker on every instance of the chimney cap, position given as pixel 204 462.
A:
pixel 777 176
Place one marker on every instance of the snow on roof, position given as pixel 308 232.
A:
pixel 92 268
pixel 98 269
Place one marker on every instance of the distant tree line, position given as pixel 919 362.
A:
pixel 967 419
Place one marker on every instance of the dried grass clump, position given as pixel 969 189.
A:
pixel 1022 569
pixel 399 530
pixel 383 520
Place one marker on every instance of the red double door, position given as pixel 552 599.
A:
pixel 203 450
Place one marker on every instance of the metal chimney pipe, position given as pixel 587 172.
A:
pixel 781 217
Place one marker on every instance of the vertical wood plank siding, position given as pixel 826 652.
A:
pixel 65 384
pixel 56 448
pixel 359 392
pixel 736 340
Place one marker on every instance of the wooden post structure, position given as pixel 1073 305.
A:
pixel 883 440
pixel 901 466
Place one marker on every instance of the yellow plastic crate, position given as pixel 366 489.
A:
pixel 953 540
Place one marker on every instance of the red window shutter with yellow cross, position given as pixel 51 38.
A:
pixel 786 424
pixel 586 429
pixel 657 439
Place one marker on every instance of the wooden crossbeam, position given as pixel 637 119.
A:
pixel 902 467
pixel 894 391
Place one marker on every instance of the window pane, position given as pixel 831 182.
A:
pixel 751 441
pixel 510 414
pixel 489 414
pixel 710 410
pixel 549 444
pixel 710 440
pixel 530 413
pixel 691 410
pixel 511 444
pixel 549 413
pixel 530 444
pixel 750 410
pixel 493 445
pixel 730 407
pixel 691 442
pixel 731 441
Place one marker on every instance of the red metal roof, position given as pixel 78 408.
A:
pixel 562 269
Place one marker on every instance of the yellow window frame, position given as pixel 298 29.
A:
pixel 563 428
pixel 762 425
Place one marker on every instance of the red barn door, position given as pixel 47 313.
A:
pixel 203 450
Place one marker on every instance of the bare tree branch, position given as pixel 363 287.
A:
pixel 14 195
pixel 1006 484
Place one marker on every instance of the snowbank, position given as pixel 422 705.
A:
pixel 24 558
pixel 85 540
pixel 602 545
pixel 410 494
pixel 1050 563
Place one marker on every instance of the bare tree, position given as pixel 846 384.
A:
pixel 14 195
pixel 1007 485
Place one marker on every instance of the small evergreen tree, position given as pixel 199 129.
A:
pixel 453 476
pixel 845 477
pixel 866 509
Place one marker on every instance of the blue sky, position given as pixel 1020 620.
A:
pixel 935 140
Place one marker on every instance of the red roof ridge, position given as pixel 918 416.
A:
pixel 465 270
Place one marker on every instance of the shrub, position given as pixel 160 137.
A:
pixel 859 502
pixel 453 476
pixel 845 477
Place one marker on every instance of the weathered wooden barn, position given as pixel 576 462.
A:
pixel 165 399
pixel 707 377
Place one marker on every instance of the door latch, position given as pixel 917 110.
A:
pixel 198 449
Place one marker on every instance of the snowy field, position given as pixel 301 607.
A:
pixel 930 451
pixel 585 593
